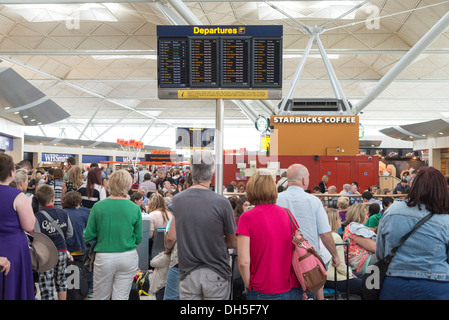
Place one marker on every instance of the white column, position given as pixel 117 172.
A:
pixel 219 126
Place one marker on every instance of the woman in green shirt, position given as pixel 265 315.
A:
pixel 116 224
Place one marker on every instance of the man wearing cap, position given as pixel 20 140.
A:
pixel 402 187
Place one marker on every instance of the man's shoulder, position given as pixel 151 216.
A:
pixel 292 192
pixel 201 194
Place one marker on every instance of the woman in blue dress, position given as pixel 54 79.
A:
pixel 16 216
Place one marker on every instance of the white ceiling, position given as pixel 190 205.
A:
pixel 102 68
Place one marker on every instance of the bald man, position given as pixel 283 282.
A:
pixel 307 210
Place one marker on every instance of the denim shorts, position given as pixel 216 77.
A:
pixel 293 294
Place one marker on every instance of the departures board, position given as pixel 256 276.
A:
pixel 219 62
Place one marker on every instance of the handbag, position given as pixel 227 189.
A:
pixel 142 280
pixel 375 275
pixel 309 268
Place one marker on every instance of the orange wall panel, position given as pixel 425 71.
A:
pixel 315 135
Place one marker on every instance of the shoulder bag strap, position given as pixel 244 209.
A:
pixel 293 223
pixel 291 219
pixel 53 222
pixel 405 237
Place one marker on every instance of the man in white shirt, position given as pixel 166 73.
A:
pixel 141 174
pixel 307 210
pixel 346 188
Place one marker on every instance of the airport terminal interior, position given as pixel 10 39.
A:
pixel 353 90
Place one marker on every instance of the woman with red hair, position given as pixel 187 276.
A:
pixel 92 190
pixel 420 268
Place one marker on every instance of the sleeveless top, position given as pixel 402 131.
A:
pixel 14 246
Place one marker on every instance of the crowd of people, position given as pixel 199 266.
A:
pixel 88 212
pixel 351 216
pixel 101 215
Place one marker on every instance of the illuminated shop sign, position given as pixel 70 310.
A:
pixel 56 157
pixel 314 119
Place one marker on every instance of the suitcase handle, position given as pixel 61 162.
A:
pixel 346 243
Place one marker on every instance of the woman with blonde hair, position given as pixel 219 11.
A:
pixel 116 224
pixel 21 180
pixel 343 205
pixel 323 184
pixel 158 212
pixel 75 180
pixel 36 176
pixel 362 244
pixel 264 244
pixel 343 273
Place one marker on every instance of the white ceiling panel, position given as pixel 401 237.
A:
pixel 98 60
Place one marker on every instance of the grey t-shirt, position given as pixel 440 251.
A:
pixel 202 218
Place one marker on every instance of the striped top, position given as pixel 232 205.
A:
pixel 98 194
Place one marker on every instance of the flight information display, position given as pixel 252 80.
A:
pixel 235 63
pixel 267 53
pixel 172 63
pixel 204 63
pixel 207 62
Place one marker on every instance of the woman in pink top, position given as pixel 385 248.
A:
pixel 264 244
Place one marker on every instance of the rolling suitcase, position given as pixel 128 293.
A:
pixel 347 271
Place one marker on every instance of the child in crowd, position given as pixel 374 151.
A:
pixel 54 223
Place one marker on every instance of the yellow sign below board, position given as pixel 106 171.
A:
pixel 222 94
